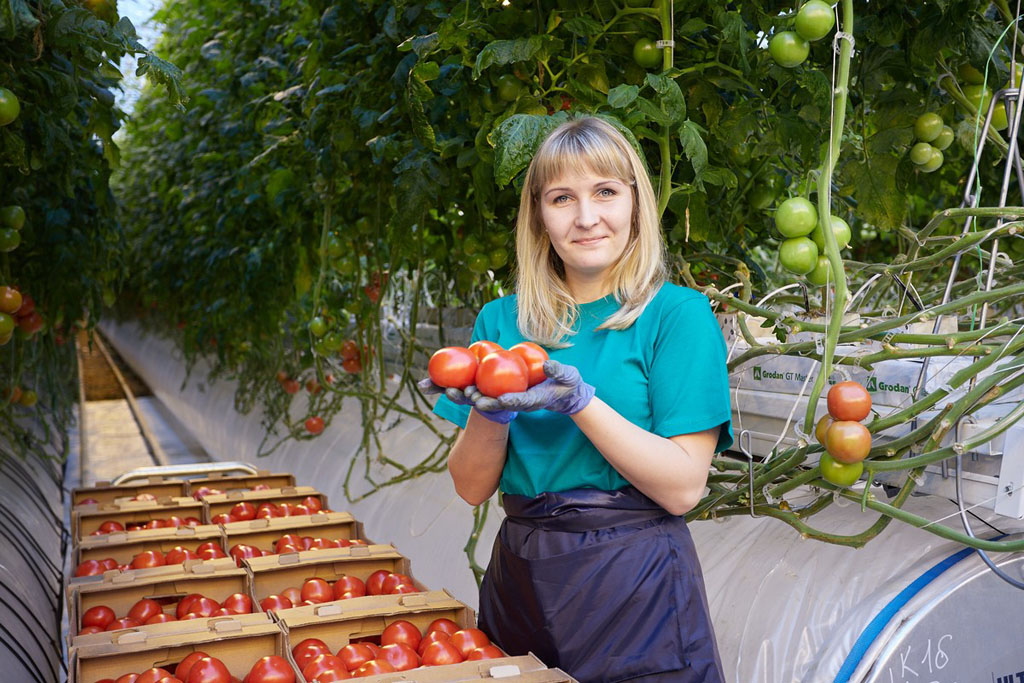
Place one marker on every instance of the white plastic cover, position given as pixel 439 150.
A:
pixel 784 608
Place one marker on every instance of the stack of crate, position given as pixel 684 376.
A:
pixel 120 534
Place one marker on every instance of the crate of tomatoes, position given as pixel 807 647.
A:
pixel 242 506
pixel 218 482
pixel 150 489
pixel 146 548
pixel 248 647
pixel 275 535
pixel 100 519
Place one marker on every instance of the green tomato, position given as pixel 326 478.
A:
pixel 478 263
pixel 921 153
pixel 761 196
pixel 822 272
pixel 740 154
pixel 318 327
pixel 472 245
pixel 798 255
pixel 344 266
pixel 868 234
pixel 934 163
pixel 796 217
pixel 6 325
pixel 332 341
pixel 839 473
pixel 509 87
pixel 980 96
pixel 321 348
pixel 841 230
pixel 29 398
pixel 968 74
pixel 490 103
pixel 647 54
pixel 10 107
pixel 945 138
pixel 9 239
pixel 815 20
pixel 497 257
pixel 12 216
pixel 788 49
pixel 928 126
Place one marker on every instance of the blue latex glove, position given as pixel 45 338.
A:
pixel 467 397
pixel 564 391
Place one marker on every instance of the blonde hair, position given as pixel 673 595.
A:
pixel 547 311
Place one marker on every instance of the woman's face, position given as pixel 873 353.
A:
pixel 587 218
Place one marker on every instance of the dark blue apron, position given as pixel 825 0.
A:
pixel 605 585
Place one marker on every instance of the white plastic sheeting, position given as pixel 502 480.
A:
pixel 785 608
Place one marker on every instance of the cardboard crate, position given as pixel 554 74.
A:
pixel 238 641
pixel 273 573
pixel 221 503
pixel 124 545
pixel 215 579
pixel 104 492
pixel 263 533
pixel 525 669
pixel 87 518
pixel 242 482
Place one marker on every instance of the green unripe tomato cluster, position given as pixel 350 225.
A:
pixel 10 107
pixel 933 136
pixel 814 21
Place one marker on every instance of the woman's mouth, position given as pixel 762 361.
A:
pixel 589 240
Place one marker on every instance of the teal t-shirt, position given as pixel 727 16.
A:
pixel 666 373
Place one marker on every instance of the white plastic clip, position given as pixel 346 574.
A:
pixel 662 44
pixel 840 36
pixel 819 343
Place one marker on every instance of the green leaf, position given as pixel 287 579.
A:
pixel 583 26
pixel 670 97
pixel 652 111
pixel 427 71
pixel 621 96
pixel 515 141
pixel 694 148
pixel 519 50
pixel 873 182
pixel 15 17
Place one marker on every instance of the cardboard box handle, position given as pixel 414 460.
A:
pixel 121 577
pixel 201 567
pixel 288 558
pixel 359 550
pixel 327 610
pixel 288 490
pixel 130 637
pixel 413 600
pixel 185 531
pixel 226 625
pixel 263 473
pixel 504 671
pixel 259 523
pixel 116 537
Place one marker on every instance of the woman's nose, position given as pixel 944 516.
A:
pixel 586 215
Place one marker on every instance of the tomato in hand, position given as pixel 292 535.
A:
pixel 483 347
pixel 848 442
pixel 534 356
pixel 271 669
pixel 502 372
pixel 849 401
pixel 452 366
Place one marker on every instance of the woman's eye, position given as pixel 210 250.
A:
pixel 561 199
pixel 607 192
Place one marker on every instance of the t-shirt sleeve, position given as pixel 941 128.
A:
pixel 689 382
pixel 453 412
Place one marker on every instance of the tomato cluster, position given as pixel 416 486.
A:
pixel 315 591
pixel 402 648
pixel 846 441
pixel 814 21
pixel 200 667
pixel 492 369
pixel 290 543
pixel 18 314
pixel 203 491
pixel 803 250
pixel 933 137
pixel 209 550
pixel 149 611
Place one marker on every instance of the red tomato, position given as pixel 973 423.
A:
pixel 204 607
pixel 374 667
pixel 208 670
pixel 175 521
pixel 241 551
pixel 375 582
pixel 483 347
pixel 89 630
pixel 210 552
pixel 317 590
pixel 321 543
pixel 392 581
pixel 313 503
pixel 485 652
pixel 354 655
pixel 123 622
pixel 184 604
pixel 161 618
pixel 432 636
pixel 185 665
pixel 405 588
pixel 534 356
pixel 261 487
pixel 178 555
pixel 272 603
pixel 89 568
pixel 452 366
pixel 88 501
pixel 469 639
pixel 332 676
pixel 243 511
pixel 315 424
pixel 288 539
pixel 321 664
pixel 111 526
pixel 293 594
pixel 440 653
pixel 401 631
pixel 348 587
pixel 312 386
pixel 152 675
pixel 144 496
pixel 192 521
pixel 349 350
pixel 291 386
pixel 222 518
pixel 848 442
pixel 444 625
pixel 352 366
pixel 238 603
pixel 127 678
pixel 100 615
pixel 308 650
pixel 108 563
pixel 502 372
pixel 400 656
pixel 271 669
pixel 148 558
pixel 268 510
pixel 144 610
pixel 155 524
pixel 849 401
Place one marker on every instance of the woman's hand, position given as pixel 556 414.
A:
pixel 564 391
pixel 470 396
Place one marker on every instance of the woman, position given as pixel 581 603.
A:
pixel 593 569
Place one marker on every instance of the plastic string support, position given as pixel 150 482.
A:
pixel 744 441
